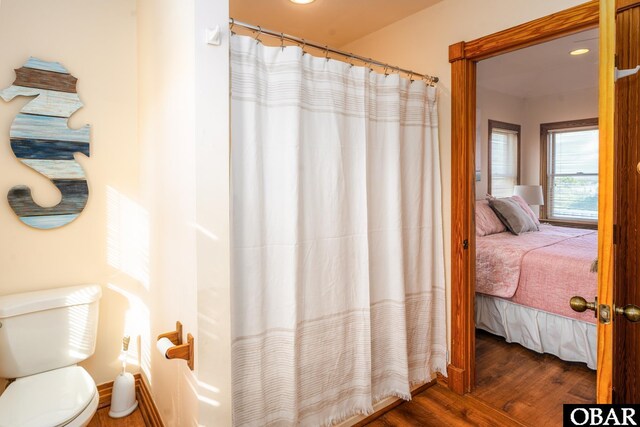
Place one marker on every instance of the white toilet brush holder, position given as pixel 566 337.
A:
pixel 123 396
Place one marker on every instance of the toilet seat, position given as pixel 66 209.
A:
pixel 52 399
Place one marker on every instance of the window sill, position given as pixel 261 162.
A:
pixel 572 224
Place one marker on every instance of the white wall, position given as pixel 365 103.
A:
pixel 421 42
pixel 96 41
pixel 212 215
pixel 167 141
pixel 492 105
pixel 184 121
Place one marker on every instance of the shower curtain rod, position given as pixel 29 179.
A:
pixel 303 42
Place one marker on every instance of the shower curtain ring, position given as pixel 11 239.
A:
pixel 233 22
pixel 258 35
pixel 386 67
pixel 411 77
pixel 282 41
pixel 304 44
pixel 326 53
pixel 351 58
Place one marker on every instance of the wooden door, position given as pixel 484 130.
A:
pixel 626 334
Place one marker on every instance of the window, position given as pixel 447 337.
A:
pixel 570 172
pixel 504 158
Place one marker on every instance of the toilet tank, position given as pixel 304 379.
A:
pixel 45 330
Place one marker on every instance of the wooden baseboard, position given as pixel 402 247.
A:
pixel 442 380
pixel 397 402
pixel 456 379
pixel 147 406
pixel 104 394
pixel 493 413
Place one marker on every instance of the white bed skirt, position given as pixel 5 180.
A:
pixel 569 339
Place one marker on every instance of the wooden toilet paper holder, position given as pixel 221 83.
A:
pixel 180 350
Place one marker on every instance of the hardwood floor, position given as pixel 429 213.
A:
pixel 514 386
pixel 528 385
pixel 438 406
pixel 102 419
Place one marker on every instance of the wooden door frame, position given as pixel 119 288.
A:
pixel 463 57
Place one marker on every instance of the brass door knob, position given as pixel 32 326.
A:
pixel 630 311
pixel 580 304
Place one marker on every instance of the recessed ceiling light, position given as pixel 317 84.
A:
pixel 579 52
pixel 302 1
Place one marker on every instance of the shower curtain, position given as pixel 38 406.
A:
pixel 337 245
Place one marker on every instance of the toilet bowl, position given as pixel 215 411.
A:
pixel 62 397
pixel 42 337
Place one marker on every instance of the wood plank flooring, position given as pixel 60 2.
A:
pixel 438 406
pixel 528 385
pixel 514 386
pixel 102 419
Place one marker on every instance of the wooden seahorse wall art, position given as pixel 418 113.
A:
pixel 41 139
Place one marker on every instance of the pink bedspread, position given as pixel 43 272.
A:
pixel 541 269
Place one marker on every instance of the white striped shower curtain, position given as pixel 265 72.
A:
pixel 337 245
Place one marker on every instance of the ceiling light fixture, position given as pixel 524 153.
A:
pixel 579 51
pixel 302 1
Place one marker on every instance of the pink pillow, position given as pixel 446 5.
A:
pixel 487 222
pixel 526 208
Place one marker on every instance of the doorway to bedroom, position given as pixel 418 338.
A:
pixel 528 131
pixel 536 226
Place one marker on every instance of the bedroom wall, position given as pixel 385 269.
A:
pixel 421 42
pixel 574 105
pixel 492 105
pixel 529 113
pixel 96 41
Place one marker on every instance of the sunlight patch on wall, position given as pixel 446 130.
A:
pixel 138 327
pixel 202 391
pixel 208 387
pixel 127 236
pixel 205 232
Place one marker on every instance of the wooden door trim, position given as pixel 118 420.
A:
pixel 463 57
pixel 461 369
pixel 569 21
pixel 606 104
pixel 622 5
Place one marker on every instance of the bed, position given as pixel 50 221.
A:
pixel 524 284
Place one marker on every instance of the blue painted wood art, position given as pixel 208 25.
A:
pixel 41 139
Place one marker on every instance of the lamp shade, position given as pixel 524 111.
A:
pixel 532 194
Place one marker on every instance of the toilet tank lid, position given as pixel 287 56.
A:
pixel 30 302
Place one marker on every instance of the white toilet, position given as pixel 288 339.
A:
pixel 42 336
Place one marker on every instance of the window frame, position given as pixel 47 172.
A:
pixel 545 129
pixel 496 124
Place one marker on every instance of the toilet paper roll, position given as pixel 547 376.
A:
pixel 163 345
